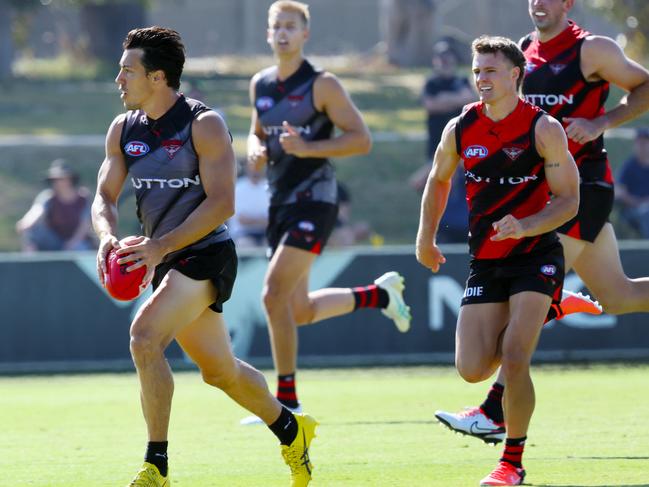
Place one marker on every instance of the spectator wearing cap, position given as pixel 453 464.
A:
pixel 59 218
pixel 632 185
pixel 443 96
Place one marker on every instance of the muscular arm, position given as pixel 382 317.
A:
pixel 331 98
pixel 435 197
pixel 562 177
pixel 110 180
pixel 256 146
pixel 603 59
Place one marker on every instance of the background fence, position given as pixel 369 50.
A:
pixel 57 317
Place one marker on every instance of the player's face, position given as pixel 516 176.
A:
pixel 547 15
pixel 286 33
pixel 134 84
pixel 494 76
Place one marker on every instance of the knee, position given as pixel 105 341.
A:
pixel 472 372
pixel 304 313
pixel 514 363
pixel 144 346
pixel 273 296
pixel 224 378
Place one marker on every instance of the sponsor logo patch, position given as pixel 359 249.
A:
pixel 265 103
pixel 478 151
pixel 549 269
pixel 171 147
pixel 473 291
pixel 136 148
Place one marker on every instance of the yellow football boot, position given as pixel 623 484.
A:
pixel 149 476
pixel 296 455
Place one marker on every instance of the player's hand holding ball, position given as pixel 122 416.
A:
pixel 125 277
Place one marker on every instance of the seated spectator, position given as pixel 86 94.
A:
pixel 248 225
pixel 632 185
pixel 346 231
pixel 59 218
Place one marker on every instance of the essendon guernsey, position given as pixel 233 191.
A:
pixel 504 175
pixel 554 82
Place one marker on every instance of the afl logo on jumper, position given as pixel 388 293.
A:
pixel 136 148
pixel 549 269
pixel 171 147
pixel 478 151
pixel 265 103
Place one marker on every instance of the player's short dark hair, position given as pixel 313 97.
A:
pixel 163 50
pixel 509 49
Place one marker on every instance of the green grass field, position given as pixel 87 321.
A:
pixel 377 429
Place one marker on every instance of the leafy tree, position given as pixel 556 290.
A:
pixel 634 15
pixel 407 28
pixel 105 24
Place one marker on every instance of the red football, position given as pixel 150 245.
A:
pixel 119 283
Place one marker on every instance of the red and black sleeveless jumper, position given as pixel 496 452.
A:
pixel 504 174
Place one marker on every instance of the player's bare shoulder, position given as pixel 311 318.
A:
pixel 549 134
pixel 326 86
pixel 114 134
pixel 209 126
pixel 255 79
pixel 448 140
pixel 327 79
pixel 596 52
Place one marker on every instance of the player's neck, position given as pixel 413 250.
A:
pixel 160 104
pixel 287 66
pixel 499 110
pixel 547 35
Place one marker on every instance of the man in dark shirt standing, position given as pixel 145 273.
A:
pixel 443 96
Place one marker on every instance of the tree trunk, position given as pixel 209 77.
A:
pixel 6 41
pixel 407 27
pixel 106 25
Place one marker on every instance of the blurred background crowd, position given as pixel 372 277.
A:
pixel 405 63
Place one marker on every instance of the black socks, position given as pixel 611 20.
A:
pixel 285 427
pixel 156 454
